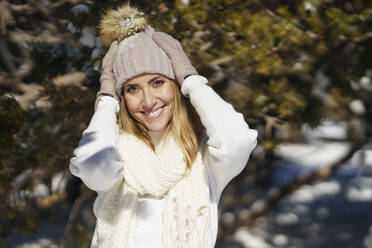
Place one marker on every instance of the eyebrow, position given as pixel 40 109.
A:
pixel 151 80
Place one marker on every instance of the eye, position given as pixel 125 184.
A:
pixel 131 89
pixel 158 83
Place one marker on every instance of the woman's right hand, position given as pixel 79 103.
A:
pixel 181 64
pixel 107 78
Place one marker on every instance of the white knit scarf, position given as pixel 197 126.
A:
pixel 186 215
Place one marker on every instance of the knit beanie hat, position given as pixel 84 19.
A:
pixel 137 54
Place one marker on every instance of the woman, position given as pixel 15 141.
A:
pixel 159 172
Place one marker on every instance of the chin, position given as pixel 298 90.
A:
pixel 154 128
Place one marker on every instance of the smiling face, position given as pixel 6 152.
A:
pixel 149 99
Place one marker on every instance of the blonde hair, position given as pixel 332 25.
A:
pixel 185 125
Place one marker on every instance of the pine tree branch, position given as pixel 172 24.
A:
pixel 7 81
pixel 75 78
pixel 28 176
pixel 71 2
pixel 7 57
pixel 6 17
pixel 364 37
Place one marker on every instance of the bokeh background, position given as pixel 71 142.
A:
pixel 299 70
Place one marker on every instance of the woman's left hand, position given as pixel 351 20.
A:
pixel 181 64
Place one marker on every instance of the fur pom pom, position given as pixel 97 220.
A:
pixel 121 23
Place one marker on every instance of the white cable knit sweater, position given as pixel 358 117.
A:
pixel 98 163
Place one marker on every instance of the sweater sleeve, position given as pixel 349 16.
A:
pixel 96 160
pixel 230 140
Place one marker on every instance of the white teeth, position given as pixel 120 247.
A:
pixel 153 114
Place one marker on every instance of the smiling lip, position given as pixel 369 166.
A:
pixel 156 116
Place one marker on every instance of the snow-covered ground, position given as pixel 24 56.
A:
pixel 330 213
pixel 336 212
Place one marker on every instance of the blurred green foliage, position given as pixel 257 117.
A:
pixel 283 64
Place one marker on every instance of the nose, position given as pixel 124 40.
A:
pixel 149 100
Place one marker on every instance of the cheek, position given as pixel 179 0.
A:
pixel 168 94
pixel 132 104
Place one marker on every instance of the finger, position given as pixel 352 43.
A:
pixel 165 41
pixel 113 49
pixel 110 55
